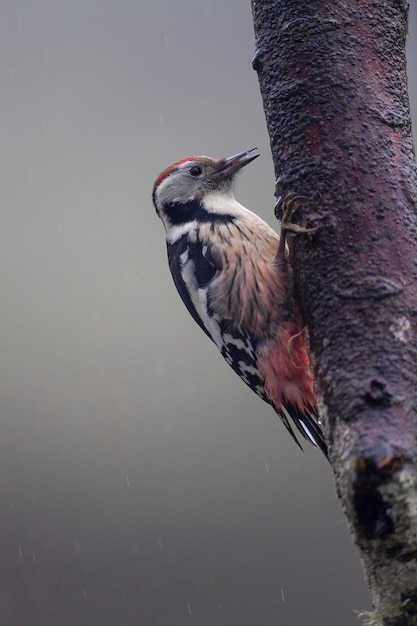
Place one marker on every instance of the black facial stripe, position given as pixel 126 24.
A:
pixel 182 213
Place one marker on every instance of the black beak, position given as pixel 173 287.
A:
pixel 234 163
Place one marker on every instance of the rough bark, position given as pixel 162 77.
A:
pixel 333 80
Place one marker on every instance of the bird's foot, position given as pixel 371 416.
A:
pixel 284 210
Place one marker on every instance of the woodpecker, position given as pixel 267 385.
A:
pixel 231 270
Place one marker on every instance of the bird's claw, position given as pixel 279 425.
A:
pixel 298 230
pixel 284 209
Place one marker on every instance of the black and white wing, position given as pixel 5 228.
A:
pixel 192 271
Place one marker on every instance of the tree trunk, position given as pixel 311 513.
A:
pixel 333 80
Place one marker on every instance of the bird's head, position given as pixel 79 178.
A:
pixel 182 191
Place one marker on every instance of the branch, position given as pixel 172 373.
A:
pixel 333 81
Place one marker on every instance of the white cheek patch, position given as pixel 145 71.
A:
pixel 176 187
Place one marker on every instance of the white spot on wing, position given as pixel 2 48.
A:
pixel 235 341
pixel 250 369
pixel 184 257
pixel 209 322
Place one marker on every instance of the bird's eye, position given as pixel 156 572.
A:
pixel 195 170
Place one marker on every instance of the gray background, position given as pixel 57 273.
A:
pixel 140 481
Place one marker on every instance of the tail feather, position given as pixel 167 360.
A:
pixel 283 415
pixel 307 424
